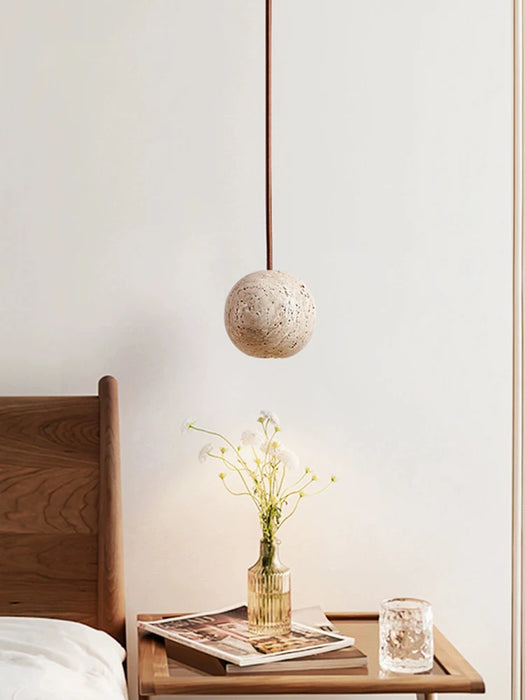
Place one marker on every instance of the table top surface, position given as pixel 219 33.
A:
pixel 161 675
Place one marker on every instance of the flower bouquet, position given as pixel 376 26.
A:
pixel 261 468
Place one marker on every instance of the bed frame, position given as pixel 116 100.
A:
pixel 60 510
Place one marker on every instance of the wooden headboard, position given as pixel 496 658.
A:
pixel 60 512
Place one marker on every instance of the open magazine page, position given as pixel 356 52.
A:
pixel 225 634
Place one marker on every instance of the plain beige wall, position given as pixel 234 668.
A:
pixel 132 199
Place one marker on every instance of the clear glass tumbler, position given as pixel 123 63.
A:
pixel 406 642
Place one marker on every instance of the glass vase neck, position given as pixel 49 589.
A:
pixel 269 555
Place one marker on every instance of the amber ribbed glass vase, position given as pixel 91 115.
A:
pixel 269 593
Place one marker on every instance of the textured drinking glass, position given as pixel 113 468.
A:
pixel 406 642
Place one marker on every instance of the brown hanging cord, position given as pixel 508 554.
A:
pixel 269 242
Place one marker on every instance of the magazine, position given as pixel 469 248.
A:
pixel 225 635
pixel 349 658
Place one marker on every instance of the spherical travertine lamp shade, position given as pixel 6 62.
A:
pixel 269 314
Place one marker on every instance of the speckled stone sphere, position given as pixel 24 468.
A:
pixel 269 314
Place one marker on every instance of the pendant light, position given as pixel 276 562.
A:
pixel 269 313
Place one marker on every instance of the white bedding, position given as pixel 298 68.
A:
pixel 44 659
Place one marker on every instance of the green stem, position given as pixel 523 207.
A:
pixel 299 499
pixel 236 469
pixel 235 493
pixel 222 437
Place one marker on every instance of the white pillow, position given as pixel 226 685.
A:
pixel 46 659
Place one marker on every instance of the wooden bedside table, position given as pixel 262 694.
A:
pixel 160 675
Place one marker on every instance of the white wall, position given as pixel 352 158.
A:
pixel 132 200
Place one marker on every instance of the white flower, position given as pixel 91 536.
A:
pixel 249 438
pixel 186 425
pixel 288 458
pixel 270 415
pixel 269 447
pixel 204 453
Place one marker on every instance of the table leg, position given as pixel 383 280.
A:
pixel 427 696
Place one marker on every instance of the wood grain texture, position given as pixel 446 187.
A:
pixel 49 557
pixel 153 664
pixel 111 606
pixel 51 575
pixel 49 431
pixel 60 517
pixel 70 503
